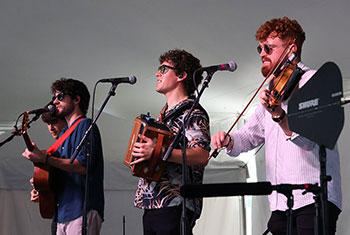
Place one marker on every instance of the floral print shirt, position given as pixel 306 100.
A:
pixel 166 191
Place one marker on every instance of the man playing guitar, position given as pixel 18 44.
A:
pixel 55 125
pixel 71 98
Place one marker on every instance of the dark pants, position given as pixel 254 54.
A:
pixel 303 221
pixel 53 227
pixel 166 221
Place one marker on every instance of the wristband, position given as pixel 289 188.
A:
pixel 280 117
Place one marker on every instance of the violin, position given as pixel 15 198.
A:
pixel 282 81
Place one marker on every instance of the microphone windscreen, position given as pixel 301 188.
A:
pixel 132 79
pixel 232 65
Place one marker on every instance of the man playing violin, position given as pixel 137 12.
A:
pixel 161 200
pixel 290 158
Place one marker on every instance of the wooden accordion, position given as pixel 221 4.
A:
pixel 153 168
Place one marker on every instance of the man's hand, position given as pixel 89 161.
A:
pixel 264 95
pixel 35 156
pixel 221 140
pixel 277 113
pixel 34 195
pixel 143 151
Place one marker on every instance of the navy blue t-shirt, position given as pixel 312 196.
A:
pixel 69 187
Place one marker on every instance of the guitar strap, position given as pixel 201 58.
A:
pixel 63 137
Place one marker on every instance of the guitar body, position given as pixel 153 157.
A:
pixel 41 178
pixel 42 183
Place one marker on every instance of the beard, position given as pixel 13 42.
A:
pixel 266 68
pixel 66 110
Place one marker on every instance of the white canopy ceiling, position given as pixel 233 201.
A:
pixel 42 41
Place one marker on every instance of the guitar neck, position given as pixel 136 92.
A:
pixel 27 141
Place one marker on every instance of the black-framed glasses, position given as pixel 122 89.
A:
pixel 163 69
pixel 59 96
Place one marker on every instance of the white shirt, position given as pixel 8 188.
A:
pixel 289 160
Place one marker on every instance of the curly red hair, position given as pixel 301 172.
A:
pixel 284 28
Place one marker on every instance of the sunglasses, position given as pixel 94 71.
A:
pixel 267 48
pixel 163 69
pixel 59 96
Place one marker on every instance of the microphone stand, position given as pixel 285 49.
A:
pixel 17 132
pixel 258 188
pixel 77 149
pixel 286 190
pixel 176 140
pixel 8 138
pixel 324 178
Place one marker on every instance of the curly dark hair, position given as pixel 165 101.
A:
pixel 73 88
pixel 51 118
pixel 184 61
pixel 284 28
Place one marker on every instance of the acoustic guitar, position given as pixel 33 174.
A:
pixel 41 178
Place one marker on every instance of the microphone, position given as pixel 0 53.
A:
pixel 50 107
pixel 230 66
pixel 131 80
pixel 344 100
